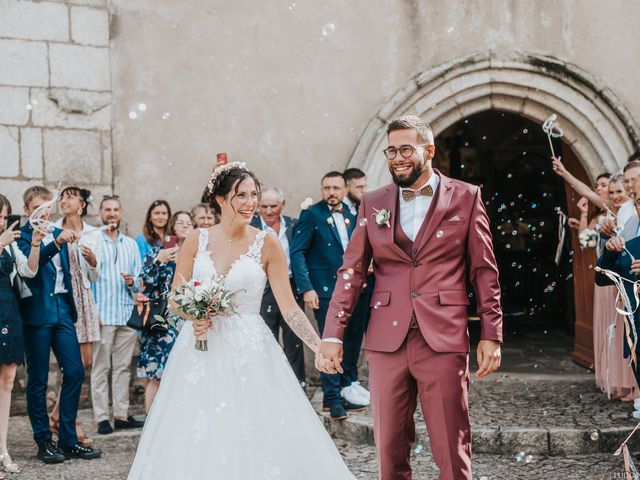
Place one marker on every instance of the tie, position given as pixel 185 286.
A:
pixel 408 194
pixel 337 209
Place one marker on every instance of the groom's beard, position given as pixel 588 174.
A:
pixel 408 180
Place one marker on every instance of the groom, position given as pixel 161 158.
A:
pixel 425 233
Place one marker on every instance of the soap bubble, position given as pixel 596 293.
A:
pixel 328 29
pixel 520 456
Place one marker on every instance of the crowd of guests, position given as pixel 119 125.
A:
pixel 606 227
pixel 70 288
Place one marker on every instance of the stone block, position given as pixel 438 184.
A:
pixel 71 109
pixel 31 152
pixel 572 441
pixel 13 190
pixel 9 152
pixel 485 440
pixel 75 66
pixel 13 105
pixel 72 156
pixel 23 63
pixel 520 439
pixel 89 3
pixel 34 20
pixel 90 26
pixel 107 158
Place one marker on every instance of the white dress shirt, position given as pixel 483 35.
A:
pixel 413 213
pixel 343 233
pixel 626 211
pixel 352 206
pixel 59 288
pixel 282 236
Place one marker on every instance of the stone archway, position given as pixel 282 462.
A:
pixel 596 124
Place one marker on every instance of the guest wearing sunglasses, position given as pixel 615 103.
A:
pixel 114 293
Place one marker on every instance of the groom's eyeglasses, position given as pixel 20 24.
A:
pixel 406 151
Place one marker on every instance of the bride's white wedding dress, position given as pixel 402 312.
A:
pixel 235 412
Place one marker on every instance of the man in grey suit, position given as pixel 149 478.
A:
pixel 271 219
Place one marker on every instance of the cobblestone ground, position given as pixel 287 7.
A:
pixel 119 448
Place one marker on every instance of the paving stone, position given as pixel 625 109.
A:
pixel 76 66
pixel 13 105
pixel 90 26
pixel 31 152
pixel 34 20
pixel 9 152
pixel 23 63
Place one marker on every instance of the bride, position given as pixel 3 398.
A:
pixel 236 411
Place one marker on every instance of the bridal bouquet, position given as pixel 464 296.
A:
pixel 203 299
pixel 588 238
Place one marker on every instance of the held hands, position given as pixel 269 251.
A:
pixel 489 357
pixel 311 299
pixel 615 244
pixel 608 227
pixel 9 235
pixel 329 358
pixel 167 255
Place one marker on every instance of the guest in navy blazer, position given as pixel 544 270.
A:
pixel 48 316
pixel 319 243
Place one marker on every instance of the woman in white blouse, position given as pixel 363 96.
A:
pixel 12 263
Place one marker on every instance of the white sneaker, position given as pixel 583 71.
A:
pixel 363 391
pixel 352 396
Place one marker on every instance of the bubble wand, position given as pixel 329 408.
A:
pixel 551 128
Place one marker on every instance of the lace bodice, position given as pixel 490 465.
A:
pixel 245 275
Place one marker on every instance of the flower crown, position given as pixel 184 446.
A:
pixel 219 170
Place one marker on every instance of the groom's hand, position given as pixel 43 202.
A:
pixel 489 357
pixel 330 355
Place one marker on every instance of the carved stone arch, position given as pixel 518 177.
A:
pixel 596 124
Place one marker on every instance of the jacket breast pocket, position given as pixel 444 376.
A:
pixel 380 299
pixel 453 297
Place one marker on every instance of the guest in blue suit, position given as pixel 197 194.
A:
pixel 317 248
pixel 617 257
pixel 48 317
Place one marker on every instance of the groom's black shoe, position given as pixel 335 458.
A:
pixel 130 422
pixel 80 451
pixel 352 407
pixel 49 453
pixel 337 411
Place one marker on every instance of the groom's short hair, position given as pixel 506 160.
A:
pixel 412 122
pixel 333 174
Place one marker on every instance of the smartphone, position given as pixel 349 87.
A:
pixel 11 219
pixel 170 241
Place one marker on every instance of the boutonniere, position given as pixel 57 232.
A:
pixel 330 221
pixel 347 222
pixel 382 217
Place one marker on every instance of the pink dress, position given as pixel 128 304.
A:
pixel 614 375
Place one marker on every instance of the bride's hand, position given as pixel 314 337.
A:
pixel 200 327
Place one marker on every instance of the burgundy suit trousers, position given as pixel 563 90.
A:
pixel 441 382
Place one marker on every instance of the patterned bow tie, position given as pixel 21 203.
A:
pixel 337 209
pixel 408 194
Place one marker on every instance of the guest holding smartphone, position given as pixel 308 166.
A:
pixel 157 275
pixel 12 263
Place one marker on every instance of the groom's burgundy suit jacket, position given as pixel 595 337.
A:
pixel 430 279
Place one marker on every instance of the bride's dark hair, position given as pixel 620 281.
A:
pixel 226 182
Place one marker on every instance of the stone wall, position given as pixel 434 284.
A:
pixel 55 96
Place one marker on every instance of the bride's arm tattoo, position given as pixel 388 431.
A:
pixel 299 323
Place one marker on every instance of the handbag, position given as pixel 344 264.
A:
pixel 149 316
pixel 20 287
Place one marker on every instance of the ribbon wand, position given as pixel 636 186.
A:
pixel 551 128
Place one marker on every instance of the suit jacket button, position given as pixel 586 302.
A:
pixel 414 294
pixel 416 263
pixel 414 250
